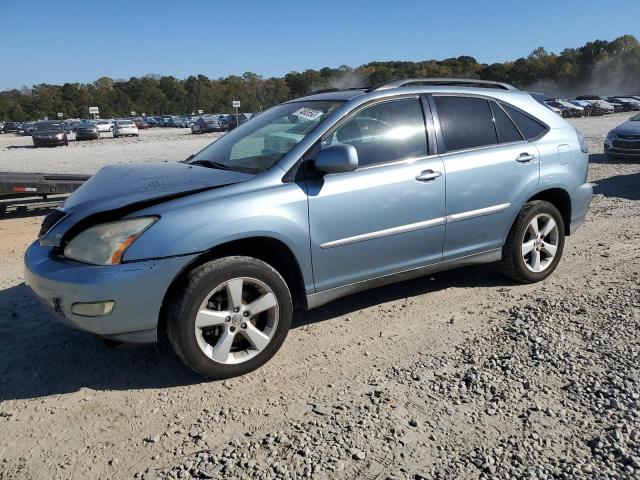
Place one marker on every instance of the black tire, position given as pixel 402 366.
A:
pixel 200 281
pixel 513 263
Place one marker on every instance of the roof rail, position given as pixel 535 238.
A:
pixel 460 82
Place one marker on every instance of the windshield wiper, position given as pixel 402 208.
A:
pixel 212 164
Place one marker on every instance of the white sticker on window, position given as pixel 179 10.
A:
pixel 308 113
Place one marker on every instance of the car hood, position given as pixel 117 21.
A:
pixel 121 189
pixel 628 128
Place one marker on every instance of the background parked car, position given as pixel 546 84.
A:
pixel 629 104
pixel 237 120
pixel 124 128
pixel 624 140
pixel 625 106
pixel 141 123
pixel 601 102
pixel 104 125
pixel 590 109
pixel 187 121
pixel 27 128
pixel 10 127
pixel 206 125
pixel 565 111
pixel 48 134
pixel 151 121
pixel 87 131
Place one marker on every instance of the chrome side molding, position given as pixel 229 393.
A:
pixel 456 217
pixel 384 233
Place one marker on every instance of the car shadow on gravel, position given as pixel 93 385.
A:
pixel 467 277
pixel 12 147
pixel 619 186
pixel 41 357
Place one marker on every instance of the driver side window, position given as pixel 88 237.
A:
pixel 384 132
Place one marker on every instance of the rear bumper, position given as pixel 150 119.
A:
pixel 137 289
pixel 87 136
pixel 46 142
pixel 580 199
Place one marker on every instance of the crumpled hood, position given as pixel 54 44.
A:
pixel 628 128
pixel 117 187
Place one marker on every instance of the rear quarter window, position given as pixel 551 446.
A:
pixel 507 131
pixel 529 126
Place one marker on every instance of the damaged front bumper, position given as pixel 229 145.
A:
pixel 136 289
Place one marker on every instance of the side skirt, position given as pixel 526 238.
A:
pixel 320 298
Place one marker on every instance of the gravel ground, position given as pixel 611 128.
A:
pixel 460 375
pixel 86 157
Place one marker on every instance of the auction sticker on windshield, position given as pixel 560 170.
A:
pixel 308 113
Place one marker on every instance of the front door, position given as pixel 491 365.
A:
pixel 389 214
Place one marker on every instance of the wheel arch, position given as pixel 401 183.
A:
pixel 559 198
pixel 268 249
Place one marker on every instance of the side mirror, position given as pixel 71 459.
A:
pixel 337 159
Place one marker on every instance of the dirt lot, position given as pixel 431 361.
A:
pixel 86 157
pixel 458 375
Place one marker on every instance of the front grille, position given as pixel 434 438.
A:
pixel 49 221
pixel 630 136
pixel 627 145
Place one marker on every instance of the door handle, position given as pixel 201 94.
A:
pixel 524 158
pixel 428 176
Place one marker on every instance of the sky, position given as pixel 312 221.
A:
pixel 58 42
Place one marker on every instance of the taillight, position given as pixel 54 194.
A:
pixel 582 141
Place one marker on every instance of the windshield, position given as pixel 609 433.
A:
pixel 635 118
pixel 260 143
pixel 125 122
pixel 44 126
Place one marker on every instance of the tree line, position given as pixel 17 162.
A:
pixel 598 67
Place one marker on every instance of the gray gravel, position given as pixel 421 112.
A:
pixel 561 373
pixel 460 374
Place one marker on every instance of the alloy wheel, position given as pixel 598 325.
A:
pixel 237 320
pixel 540 243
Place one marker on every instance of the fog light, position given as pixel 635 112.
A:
pixel 93 309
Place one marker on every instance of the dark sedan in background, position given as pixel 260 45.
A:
pixel 87 131
pixel 206 125
pixel 10 127
pixel 624 140
pixel 141 123
pixel 48 134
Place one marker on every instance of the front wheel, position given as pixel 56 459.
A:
pixel 231 317
pixel 535 243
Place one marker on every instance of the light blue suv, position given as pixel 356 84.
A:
pixel 309 201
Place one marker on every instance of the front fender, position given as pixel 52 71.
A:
pixel 201 222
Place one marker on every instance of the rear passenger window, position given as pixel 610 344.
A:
pixel 466 122
pixel 530 127
pixel 507 131
pixel 384 132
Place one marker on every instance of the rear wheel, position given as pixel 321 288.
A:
pixel 535 243
pixel 231 317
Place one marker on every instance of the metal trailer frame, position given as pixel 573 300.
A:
pixel 17 184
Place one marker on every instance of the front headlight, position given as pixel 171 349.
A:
pixel 106 243
pixel 611 135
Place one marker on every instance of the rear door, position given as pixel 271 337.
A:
pixel 388 215
pixel 490 167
